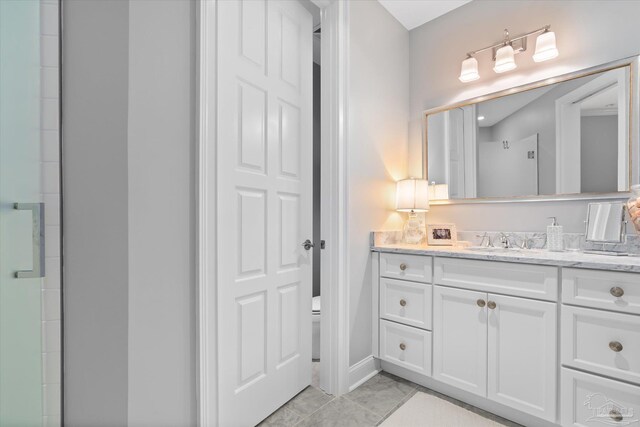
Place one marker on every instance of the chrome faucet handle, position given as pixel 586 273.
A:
pixel 485 236
pixel 526 242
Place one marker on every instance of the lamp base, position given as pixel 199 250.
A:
pixel 414 231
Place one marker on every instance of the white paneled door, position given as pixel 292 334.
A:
pixel 264 181
pixel 460 338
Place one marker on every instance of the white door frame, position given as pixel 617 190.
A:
pixel 334 200
pixel 568 130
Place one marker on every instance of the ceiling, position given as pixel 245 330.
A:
pixel 413 13
pixel 498 109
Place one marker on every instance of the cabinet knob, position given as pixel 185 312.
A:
pixel 491 305
pixel 481 303
pixel 617 291
pixel 615 415
pixel 615 346
pixel 403 346
pixel 403 302
pixel 403 266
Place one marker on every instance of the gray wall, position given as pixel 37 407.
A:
pixel 539 117
pixel 377 157
pixel 95 218
pixel 128 120
pixel 599 153
pixel 588 33
pixel 162 204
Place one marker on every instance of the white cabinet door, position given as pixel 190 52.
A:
pixel 416 268
pixel 589 401
pixel 602 342
pixel 522 355
pixel 406 346
pixel 264 197
pixel 406 302
pixel 460 339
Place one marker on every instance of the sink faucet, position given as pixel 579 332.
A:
pixel 487 237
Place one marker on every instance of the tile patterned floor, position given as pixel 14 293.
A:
pixel 367 406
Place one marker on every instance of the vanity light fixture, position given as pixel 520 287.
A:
pixel 505 59
pixel 504 53
pixel 545 46
pixel 469 71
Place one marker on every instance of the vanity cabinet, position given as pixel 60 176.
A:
pixel 600 350
pixel 497 346
pixel 488 331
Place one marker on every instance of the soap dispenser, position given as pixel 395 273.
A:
pixel 555 240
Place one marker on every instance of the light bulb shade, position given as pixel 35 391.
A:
pixel 412 195
pixel 469 70
pixel 505 60
pixel 545 47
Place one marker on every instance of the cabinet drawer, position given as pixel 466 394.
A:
pixel 600 289
pixel 406 346
pixel 531 281
pixel 408 267
pixel 590 338
pixel 588 400
pixel 406 302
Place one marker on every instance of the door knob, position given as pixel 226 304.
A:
pixel 403 302
pixel 307 244
pixel 615 346
pixel 403 266
pixel 491 305
pixel 617 291
pixel 403 346
pixel 481 303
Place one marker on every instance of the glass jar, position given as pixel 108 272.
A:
pixel 633 206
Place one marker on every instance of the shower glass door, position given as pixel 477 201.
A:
pixel 25 394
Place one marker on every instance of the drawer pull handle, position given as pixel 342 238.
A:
pixel 403 302
pixel 615 346
pixel 615 415
pixel 403 346
pixel 617 291
pixel 481 303
pixel 491 305
pixel 403 266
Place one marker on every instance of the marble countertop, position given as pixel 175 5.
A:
pixel 525 256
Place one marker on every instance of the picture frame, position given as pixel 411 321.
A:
pixel 441 234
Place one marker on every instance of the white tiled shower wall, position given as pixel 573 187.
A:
pixel 50 175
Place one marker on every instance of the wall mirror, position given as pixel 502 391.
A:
pixel 605 223
pixel 567 137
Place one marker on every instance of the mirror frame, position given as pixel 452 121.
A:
pixel 632 62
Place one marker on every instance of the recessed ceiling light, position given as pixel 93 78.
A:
pixel 480 117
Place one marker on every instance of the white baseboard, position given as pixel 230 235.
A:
pixel 362 371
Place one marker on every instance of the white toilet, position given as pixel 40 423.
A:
pixel 315 320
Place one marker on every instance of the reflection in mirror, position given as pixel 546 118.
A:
pixel 605 222
pixel 564 138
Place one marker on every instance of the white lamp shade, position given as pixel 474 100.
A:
pixel 412 195
pixel 505 60
pixel 469 70
pixel 545 47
